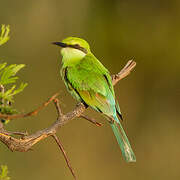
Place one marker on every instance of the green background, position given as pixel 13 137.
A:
pixel 149 32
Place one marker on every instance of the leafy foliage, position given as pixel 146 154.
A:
pixel 4 34
pixel 4 173
pixel 8 76
pixel 8 73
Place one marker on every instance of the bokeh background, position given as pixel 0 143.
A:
pixel 149 32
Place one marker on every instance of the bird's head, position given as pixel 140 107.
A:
pixel 73 44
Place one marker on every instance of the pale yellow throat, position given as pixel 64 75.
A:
pixel 71 54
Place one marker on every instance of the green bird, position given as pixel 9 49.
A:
pixel 90 82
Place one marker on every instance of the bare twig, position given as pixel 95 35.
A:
pixel 56 102
pixel 91 120
pixel 64 154
pixel 25 144
pixel 32 113
pixel 22 134
pixel 124 72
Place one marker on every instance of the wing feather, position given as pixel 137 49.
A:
pixel 90 82
pixel 90 74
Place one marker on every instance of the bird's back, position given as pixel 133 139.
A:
pixel 89 81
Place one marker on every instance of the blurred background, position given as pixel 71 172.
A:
pixel 149 32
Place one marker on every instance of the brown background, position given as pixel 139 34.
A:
pixel 117 31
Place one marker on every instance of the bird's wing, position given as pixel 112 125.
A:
pixel 90 74
pixel 92 83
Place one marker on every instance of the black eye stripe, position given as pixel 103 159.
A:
pixel 77 46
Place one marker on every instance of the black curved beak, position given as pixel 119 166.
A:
pixel 60 44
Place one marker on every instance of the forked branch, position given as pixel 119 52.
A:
pixel 25 142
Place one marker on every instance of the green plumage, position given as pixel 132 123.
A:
pixel 90 82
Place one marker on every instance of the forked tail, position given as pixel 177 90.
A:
pixel 123 142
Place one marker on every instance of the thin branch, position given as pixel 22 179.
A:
pixel 56 102
pixel 91 120
pixel 32 113
pixel 25 144
pixel 22 134
pixel 64 154
pixel 124 72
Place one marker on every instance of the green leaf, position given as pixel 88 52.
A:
pixel 2 66
pixel 4 173
pixel 7 110
pixel 8 95
pixel 7 75
pixel 20 89
pixel 4 34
